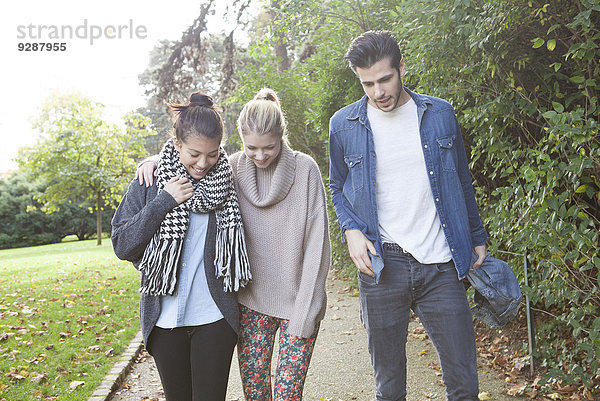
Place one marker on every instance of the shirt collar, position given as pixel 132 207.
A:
pixel 360 111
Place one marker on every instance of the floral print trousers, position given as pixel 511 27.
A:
pixel 255 349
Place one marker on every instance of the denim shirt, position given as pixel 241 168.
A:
pixel 497 292
pixel 353 186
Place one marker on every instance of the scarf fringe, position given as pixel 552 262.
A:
pixel 231 258
pixel 159 265
pixel 214 192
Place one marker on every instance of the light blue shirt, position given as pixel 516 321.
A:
pixel 191 304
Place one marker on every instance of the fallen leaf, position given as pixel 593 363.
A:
pixel 434 366
pixel 38 378
pixel 419 330
pixel 16 375
pixel 517 389
pixel 74 384
pixel 520 363
pixel 421 336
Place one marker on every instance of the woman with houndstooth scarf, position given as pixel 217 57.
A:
pixel 184 233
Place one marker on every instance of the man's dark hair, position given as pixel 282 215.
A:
pixel 371 47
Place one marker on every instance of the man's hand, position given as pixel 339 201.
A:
pixel 358 245
pixel 145 172
pixel 481 251
pixel 180 189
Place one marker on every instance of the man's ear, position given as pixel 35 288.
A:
pixel 401 68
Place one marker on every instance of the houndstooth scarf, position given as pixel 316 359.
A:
pixel 213 192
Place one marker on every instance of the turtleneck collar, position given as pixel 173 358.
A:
pixel 282 171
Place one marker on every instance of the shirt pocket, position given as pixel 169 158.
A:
pixel 355 170
pixel 447 153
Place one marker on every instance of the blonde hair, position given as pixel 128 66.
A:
pixel 262 115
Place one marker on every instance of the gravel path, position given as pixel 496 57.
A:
pixel 340 369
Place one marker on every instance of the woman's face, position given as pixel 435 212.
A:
pixel 198 154
pixel 262 149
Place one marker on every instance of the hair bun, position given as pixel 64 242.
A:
pixel 200 99
pixel 267 94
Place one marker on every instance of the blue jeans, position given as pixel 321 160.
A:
pixel 439 299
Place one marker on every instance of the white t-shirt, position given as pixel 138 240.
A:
pixel 405 206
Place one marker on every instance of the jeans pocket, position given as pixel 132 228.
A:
pixel 355 169
pixel 365 280
pixel 447 152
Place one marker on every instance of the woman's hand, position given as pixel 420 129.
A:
pixel 180 189
pixel 145 172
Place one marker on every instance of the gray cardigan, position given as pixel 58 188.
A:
pixel 137 218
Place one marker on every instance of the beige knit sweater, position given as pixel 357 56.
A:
pixel 285 220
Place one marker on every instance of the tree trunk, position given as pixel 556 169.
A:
pixel 99 219
pixel 281 51
pixel 228 68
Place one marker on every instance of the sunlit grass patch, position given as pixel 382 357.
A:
pixel 66 313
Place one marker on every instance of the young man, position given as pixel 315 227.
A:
pixel 404 199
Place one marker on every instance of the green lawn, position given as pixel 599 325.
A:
pixel 66 313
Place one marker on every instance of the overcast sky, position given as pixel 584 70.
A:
pixel 105 71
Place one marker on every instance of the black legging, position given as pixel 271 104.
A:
pixel 194 362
